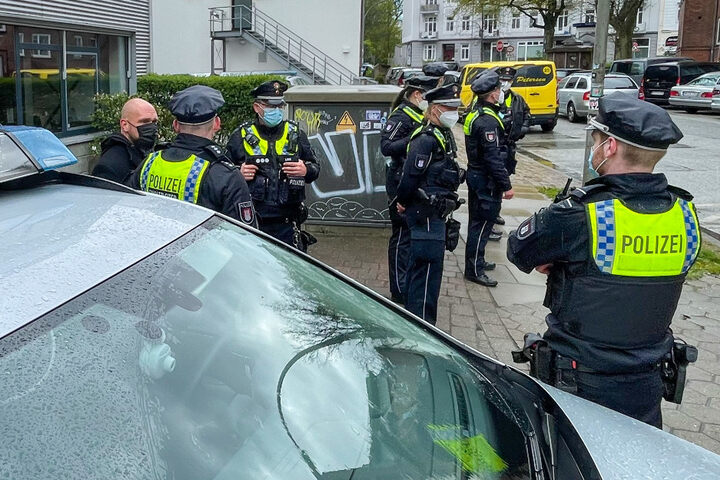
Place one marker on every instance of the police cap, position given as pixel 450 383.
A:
pixel 435 69
pixel 446 95
pixel 506 73
pixel 196 104
pixel 422 82
pixel 270 92
pixel 486 82
pixel 635 122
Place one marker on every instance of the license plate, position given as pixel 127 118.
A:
pixel 689 94
pixel 659 94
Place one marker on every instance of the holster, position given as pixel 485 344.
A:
pixel 673 370
pixel 545 364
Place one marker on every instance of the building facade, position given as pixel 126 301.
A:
pixel 56 55
pixel 699 35
pixel 433 30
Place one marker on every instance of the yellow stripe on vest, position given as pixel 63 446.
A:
pixel 179 180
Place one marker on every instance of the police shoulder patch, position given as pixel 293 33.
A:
pixel 526 229
pixel 389 126
pixel 490 136
pixel 421 161
pixel 246 212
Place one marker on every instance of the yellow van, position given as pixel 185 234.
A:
pixel 535 82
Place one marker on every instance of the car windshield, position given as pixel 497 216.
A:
pixel 223 356
pixel 616 83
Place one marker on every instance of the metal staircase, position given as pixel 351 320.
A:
pixel 286 46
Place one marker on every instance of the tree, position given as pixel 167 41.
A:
pixel 382 30
pixel 549 11
pixel 623 18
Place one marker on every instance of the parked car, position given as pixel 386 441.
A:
pixel 574 92
pixel 715 105
pixel 635 67
pixel 392 73
pixel 406 73
pixel 696 94
pixel 535 82
pixel 561 73
pixel 145 337
pixel 451 77
pixel 660 78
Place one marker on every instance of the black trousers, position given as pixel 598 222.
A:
pixel 637 395
pixel 483 214
pixel 283 231
pixel 398 256
pixel 424 277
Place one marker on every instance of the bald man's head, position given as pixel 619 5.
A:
pixel 135 113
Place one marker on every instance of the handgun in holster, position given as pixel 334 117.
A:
pixel 673 370
pixel 529 353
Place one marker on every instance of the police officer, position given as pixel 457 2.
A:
pixel 488 179
pixel 617 252
pixel 277 161
pixel 515 116
pixel 194 168
pixel 426 194
pixel 407 116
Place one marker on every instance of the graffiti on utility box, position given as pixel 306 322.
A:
pixel 351 186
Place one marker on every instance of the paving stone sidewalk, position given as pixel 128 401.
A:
pixel 494 320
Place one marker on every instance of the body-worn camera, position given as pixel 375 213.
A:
pixel 673 369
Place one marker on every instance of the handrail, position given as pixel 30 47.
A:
pixel 292 47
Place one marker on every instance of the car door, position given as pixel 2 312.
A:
pixel 582 86
pixel 564 93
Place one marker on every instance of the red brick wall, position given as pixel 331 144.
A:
pixel 697 29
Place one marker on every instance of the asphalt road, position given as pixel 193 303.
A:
pixel 693 164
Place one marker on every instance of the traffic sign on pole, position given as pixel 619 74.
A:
pixel 509 49
pixel 499 46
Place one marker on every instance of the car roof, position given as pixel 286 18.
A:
pixel 59 240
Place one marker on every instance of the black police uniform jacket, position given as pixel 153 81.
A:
pixel 430 166
pixel 516 118
pixel 274 195
pixel 222 187
pixel 118 159
pixel 394 141
pixel 486 148
pixel 607 323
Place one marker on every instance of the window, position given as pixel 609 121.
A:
pixel 589 15
pixel 450 24
pixel 639 19
pixel 515 20
pixel 464 52
pixel 717 34
pixel 641 48
pixel 530 51
pixel 431 24
pixel 571 82
pixel 581 84
pixel 54 85
pixel 562 21
pixel 430 2
pixel 466 25
pixel 429 53
pixel 41 39
pixel 489 22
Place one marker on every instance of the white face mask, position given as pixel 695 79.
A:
pixel 449 119
pixel 501 97
pixel 423 105
pixel 505 86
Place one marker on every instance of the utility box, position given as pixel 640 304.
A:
pixel 343 124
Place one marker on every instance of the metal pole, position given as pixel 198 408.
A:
pixel 314 58
pixel 602 21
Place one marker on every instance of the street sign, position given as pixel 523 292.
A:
pixel 635 47
pixel 510 49
pixel 500 46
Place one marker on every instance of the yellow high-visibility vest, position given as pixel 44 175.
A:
pixel 261 148
pixel 179 180
pixel 628 243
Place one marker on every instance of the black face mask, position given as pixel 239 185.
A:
pixel 147 136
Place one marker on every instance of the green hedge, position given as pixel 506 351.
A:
pixel 158 89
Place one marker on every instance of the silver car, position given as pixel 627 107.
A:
pixel 574 92
pixel 696 94
pixel 146 338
